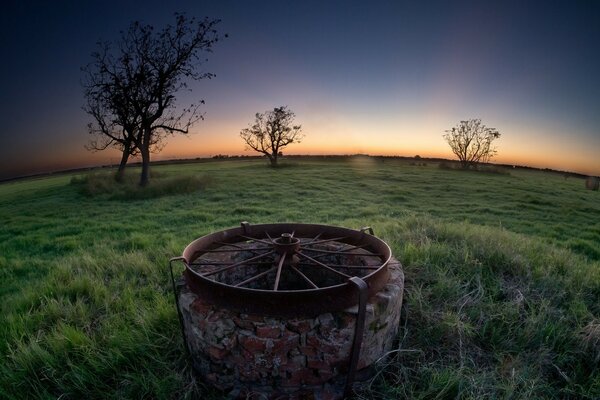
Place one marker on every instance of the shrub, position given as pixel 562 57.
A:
pixel 448 165
pixel 488 169
pixel 592 183
pixel 103 184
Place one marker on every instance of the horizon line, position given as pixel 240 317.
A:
pixel 225 157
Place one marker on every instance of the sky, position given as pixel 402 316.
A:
pixel 376 77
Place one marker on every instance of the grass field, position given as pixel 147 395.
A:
pixel 502 276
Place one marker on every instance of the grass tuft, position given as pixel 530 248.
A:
pixel 104 185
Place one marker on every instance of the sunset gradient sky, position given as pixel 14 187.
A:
pixel 377 77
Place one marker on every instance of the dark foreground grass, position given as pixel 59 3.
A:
pixel 502 277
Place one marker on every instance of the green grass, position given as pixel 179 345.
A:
pixel 502 271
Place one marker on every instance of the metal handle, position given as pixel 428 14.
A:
pixel 176 294
pixel 367 229
pixel 363 296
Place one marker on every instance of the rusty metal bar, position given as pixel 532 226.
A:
pixel 176 294
pixel 341 251
pixel 349 266
pixel 348 254
pixel 255 239
pixel 281 260
pixel 237 264
pixel 208 262
pixel 240 247
pixel 255 277
pixel 323 265
pixel 306 278
pixel 363 296
pixel 245 226
pixel 318 236
pixel 234 250
pixel 324 240
pixel 367 229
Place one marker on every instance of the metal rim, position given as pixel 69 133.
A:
pixel 273 245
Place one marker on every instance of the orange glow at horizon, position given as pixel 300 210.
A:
pixel 511 150
pixel 520 144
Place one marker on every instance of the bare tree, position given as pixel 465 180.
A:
pixel 471 141
pixel 115 123
pixel 140 75
pixel 271 132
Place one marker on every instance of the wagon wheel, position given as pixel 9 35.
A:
pixel 270 256
pixel 271 266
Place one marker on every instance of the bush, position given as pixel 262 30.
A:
pixel 105 185
pixel 488 169
pixel 592 183
pixel 448 165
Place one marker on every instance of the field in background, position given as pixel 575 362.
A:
pixel 502 291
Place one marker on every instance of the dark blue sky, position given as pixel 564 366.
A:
pixel 378 77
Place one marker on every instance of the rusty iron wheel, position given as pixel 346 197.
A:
pixel 285 269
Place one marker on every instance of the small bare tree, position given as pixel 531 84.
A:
pixel 471 141
pixel 271 132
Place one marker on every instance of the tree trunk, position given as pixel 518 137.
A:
pixel 121 170
pixel 273 159
pixel 145 150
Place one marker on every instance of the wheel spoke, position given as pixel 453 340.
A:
pixel 311 283
pixel 240 247
pixel 208 262
pixel 317 237
pixel 319 263
pixel 255 239
pixel 349 266
pixel 325 240
pixel 269 236
pixel 237 264
pixel 234 250
pixel 255 277
pixel 281 260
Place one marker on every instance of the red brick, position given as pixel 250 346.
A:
pixel 334 361
pixel 326 374
pixel 268 332
pixel 316 363
pixel 243 323
pixel 248 356
pixel 299 326
pixel 308 351
pixel 323 346
pixel 297 362
pixel 215 317
pixel 217 353
pixel 252 344
pixel 201 307
pixel 284 344
pixel 249 374
pixel 252 317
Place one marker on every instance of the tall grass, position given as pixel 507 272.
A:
pixel 498 301
pixel 104 184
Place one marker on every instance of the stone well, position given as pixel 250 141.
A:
pixel 252 352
